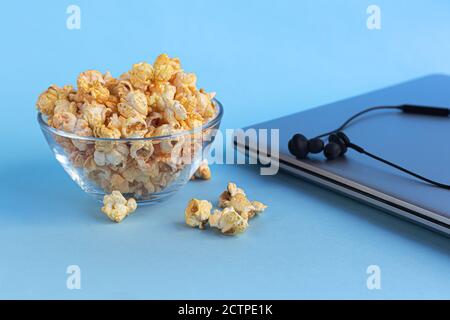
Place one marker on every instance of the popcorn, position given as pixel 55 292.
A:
pixel 241 204
pixel 149 168
pixel 88 78
pixel 184 81
pixel 78 158
pixel 119 183
pixel 138 101
pixel 48 99
pixel 228 221
pixel 94 113
pixel 203 172
pixel 65 106
pixel 109 81
pixel 133 127
pixel 197 213
pixel 232 220
pixel 231 191
pixel 131 173
pixel 174 113
pixel 145 102
pixel 235 197
pixel 141 75
pixel 91 86
pixel 65 121
pixel 188 100
pixel 110 154
pixel 141 150
pixel 165 68
pixel 115 123
pixel 120 88
pixel 116 207
pixel 153 119
pixel 204 106
pixel 258 206
pixel 110 132
pixel 82 128
pixel 99 174
pixel 164 130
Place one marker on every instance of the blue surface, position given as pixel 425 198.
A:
pixel 265 60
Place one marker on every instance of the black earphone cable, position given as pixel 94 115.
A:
pixel 418 176
pixel 406 108
pixel 347 122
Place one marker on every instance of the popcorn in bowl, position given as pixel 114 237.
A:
pixel 142 134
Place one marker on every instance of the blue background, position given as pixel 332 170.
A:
pixel 264 59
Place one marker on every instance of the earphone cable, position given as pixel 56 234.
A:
pixel 347 122
pixel 418 176
pixel 407 108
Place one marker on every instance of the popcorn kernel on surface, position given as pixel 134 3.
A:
pixel 259 206
pixel 203 172
pixel 197 213
pixel 116 207
pixel 235 197
pixel 232 219
pixel 228 221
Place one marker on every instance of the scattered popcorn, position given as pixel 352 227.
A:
pixel 228 221
pixel 116 207
pixel 203 172
pixel 242 205
pixel 233 219
pixel 235 197
pixel 144 102
pixel 232 190
pixel 258 206
pixel 197 213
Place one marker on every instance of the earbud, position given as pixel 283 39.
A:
pixel 344 137
pixel 300 146
pixel 337 145
pixel 334 138
pixel 315 145
pixel 332 150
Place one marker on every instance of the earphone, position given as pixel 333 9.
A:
pixel 338 142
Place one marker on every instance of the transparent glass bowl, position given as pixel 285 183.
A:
pixel 147 169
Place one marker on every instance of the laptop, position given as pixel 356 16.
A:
pixel 419 143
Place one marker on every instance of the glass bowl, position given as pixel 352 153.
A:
pixel 147 169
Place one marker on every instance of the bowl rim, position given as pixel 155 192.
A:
pixel 44 126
